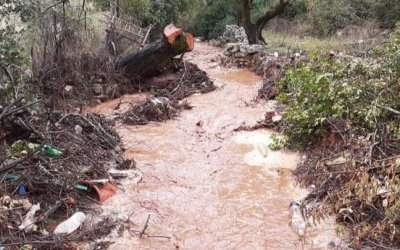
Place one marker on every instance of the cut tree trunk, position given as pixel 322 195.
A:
pixel 146 62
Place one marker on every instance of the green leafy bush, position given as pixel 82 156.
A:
pixel 327 16
pixel 297 10
pixel 363 92
pixel 356 177
pixel 211 20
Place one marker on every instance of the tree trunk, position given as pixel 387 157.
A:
pixel 146 62
pixel 254 30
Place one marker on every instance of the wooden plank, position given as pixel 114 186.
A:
pixel 146 36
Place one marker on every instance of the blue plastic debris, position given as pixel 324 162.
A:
pixel 22 190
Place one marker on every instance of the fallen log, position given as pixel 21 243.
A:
pixel 146 62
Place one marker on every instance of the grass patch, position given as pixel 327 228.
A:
pixel 307 44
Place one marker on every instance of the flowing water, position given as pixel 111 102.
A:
pixel 204 185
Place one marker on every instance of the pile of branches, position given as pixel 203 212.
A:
pixel 89 232
pixel 31 175
pixel 70 69
pixel 154 109
pixel 356 178
pixel 345 113
pixel 177 81
pixel 81 79
pixel 180 79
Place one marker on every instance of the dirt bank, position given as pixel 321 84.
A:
pixel 205 186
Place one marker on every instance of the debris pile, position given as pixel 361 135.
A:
pixel 54 160
pixel 154 109
pixel 53 164
pixel 81 80
pixel 177 81
pixel 181 79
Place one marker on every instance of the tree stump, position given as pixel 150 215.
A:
pixel 146 62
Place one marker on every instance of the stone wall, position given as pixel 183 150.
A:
pixel 241 54
pixel 264 62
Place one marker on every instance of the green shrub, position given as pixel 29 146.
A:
pixel 328 16
pixel 356 177
pixel 211 20
pixel 296 10
pixel 363 92
pixel 388 13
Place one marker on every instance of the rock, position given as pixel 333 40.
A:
pixel 251 48
pixel 240 55
pixel 78 129
pixel 97 89
pixel 229 46
pixel 68 88
pixel 234 34
pixel 277 118
pixel 233 47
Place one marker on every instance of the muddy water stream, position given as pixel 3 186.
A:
pixel 205 186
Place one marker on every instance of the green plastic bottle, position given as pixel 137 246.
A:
pixel 52 152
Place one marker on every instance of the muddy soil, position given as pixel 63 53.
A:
pixel 205 186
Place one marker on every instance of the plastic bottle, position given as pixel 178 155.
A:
pixel 52 152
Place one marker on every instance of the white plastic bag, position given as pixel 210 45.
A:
pixel 70 225
pixel 29 220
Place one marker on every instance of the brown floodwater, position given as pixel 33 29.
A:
pixel 205 186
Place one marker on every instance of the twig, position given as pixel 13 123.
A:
pixel 7 73
pixel 35 243
pixel 91 199
pixel 101 132
pixel 389 109
pixel 338 131
pixel 146 225
pixel 119 103
pixel 18 109
pixel 29 127
pixel 5 110
pixel 381 246
pixel 159 236
pixel 6 167
pixel 51 210
pixel 373 45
